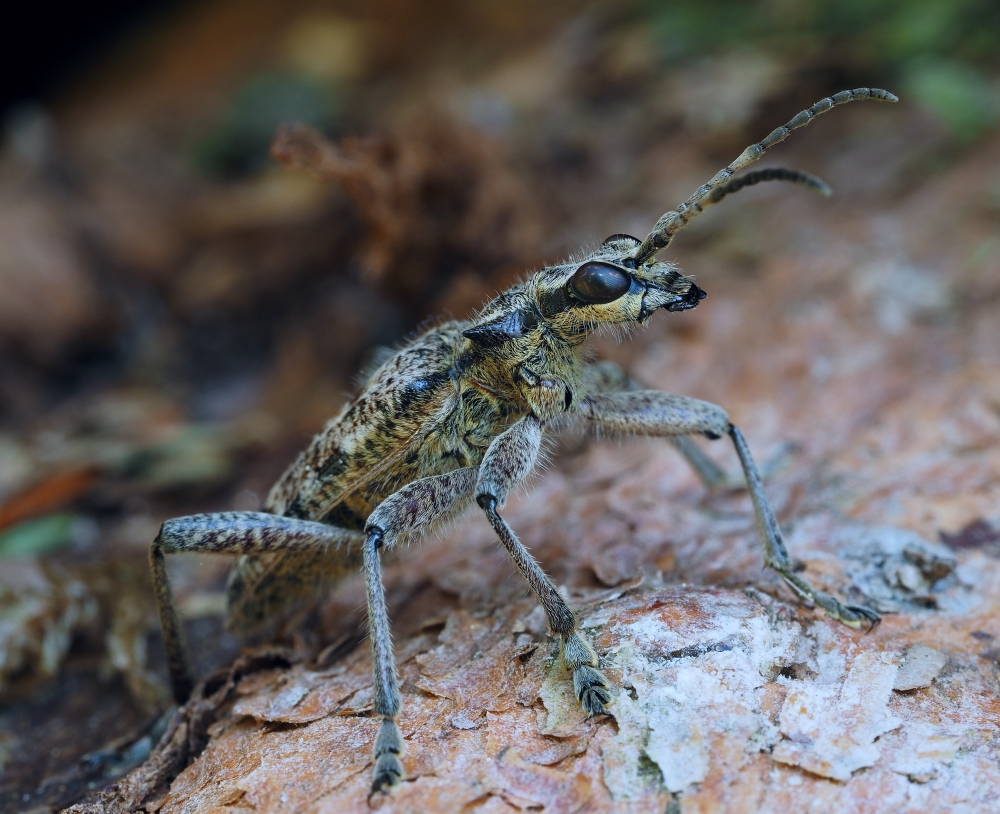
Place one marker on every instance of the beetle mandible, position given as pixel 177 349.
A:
pixel 458 414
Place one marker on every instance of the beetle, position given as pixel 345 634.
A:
pixel 458 414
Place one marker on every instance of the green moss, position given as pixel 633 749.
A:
pixel 37 537
pixel 942 54
pixel 961 96
pixel 648 770
pixel 880 32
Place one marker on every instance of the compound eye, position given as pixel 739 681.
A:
pixel 596 282
pixel 622 238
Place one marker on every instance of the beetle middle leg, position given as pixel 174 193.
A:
pixel 663 414
pixel 509 459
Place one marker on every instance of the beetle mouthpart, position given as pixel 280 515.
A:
pixel 689 300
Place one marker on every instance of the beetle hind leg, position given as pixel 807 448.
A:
pixel 230 533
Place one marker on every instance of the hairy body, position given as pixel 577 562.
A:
pixel 459 414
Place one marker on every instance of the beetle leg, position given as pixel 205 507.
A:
pixel 412 509
pixel 663 414
pixel 607 377
pixel 226 533
pixel 510 459
pixel 776 555
pixel 708 471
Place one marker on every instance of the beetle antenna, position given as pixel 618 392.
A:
pixel 675 220
pixel 768 174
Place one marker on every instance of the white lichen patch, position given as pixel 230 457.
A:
pixel 895 569
pixel 920 666
pixel 686 678
pixel 831 729
pixel 564 716
pixel 927 751
pixel 622 756
pixel 677 741
pixel 694 677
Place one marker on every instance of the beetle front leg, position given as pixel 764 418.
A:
pixel 510 459
pixel 607 377
pixel 663 414
pixel 412 509
pixel 776 555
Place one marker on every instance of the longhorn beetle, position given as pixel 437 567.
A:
pixel 458 414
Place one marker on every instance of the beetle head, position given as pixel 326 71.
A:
pixel 609 287
pixel 606 287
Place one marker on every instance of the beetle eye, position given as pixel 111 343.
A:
pixel 624 238
pixel 596 282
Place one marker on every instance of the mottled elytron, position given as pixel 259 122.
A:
pixel 457 415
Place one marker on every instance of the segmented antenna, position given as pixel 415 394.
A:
pixel 675 220
pixel 768 174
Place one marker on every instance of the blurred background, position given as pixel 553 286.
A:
pixel 180 312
